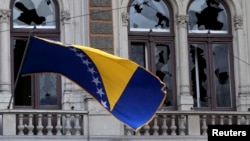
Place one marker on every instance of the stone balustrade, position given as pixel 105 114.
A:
pixel 184 123
pixel 43 122
pixel 74 125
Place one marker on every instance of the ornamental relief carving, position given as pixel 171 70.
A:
pixel 238 22
pixel 5 15
pixel 182 21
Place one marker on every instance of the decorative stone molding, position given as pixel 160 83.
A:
pixel 65 17
pixel 125 18
pixel 238 22
pixel 5 15
pixel 182 21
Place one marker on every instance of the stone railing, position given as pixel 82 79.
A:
pixel 43 122
pixel 184 123
pixel 75 125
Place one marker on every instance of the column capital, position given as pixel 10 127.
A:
pixel 238 22
pixel 65 17
pixel 5 15
pixel 182 20
pixel 125 18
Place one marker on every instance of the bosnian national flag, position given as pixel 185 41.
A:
pixel 126 90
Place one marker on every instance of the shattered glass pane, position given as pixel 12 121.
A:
pixel 30 13
pixel 207 16
pixel 146 15
pixel 48 93
pixel 198 69
pixel 221 75
pixel 163 69
pixel 138 53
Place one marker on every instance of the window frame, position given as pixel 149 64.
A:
pixel 209 39
pixel 150 39
pixel 27 30
pixel 23 34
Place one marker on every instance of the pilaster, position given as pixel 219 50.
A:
pixel 243 99
pixel 5 79
pixel 185 100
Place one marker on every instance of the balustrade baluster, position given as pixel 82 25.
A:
pixel 164 125
pixel 221 119
pixel 204 125
pixel 39 126
pixel 128 131
pixel 182 127
pixel 68 126
pixel 77 125
pixel 173 126
pixel 230 117
pixel 155 127
pixel 146 128
pixel 20 125
pixel 59 125
pixel 49 126
pixel 138 133
pixel 247 120
pixel 239 120
pixel 30 126
pixel 213 119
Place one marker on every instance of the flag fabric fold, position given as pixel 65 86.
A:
pixel 126 90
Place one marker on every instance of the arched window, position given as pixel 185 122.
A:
pixel 30 13
pixel 211 55
pixel 39 17
pixel 151 41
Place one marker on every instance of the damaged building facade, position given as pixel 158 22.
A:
pixel 199 48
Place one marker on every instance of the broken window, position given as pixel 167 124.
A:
pixel 146 15
pixel 210 55
pixel 217 88
pixel 158 57
pixel 42 91
pixel 163 68
pixel 198 66
pixel 222 81
pixel 151 42
pixel 207 15
pixel 30 13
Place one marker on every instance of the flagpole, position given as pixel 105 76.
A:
pixel 19 69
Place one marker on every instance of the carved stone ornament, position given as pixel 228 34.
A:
pixel 238 22
pixel 125 18
pixel 182 21
pixel 65 17
pixel 5 15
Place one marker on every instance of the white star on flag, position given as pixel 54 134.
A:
pixel 96 80
pixel 91 70
pixel 80 55
pixel 100 92
pixel 86 62
pixel 104 103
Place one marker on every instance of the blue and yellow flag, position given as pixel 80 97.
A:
pixel 128 91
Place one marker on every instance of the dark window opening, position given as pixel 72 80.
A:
pixel 23 87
